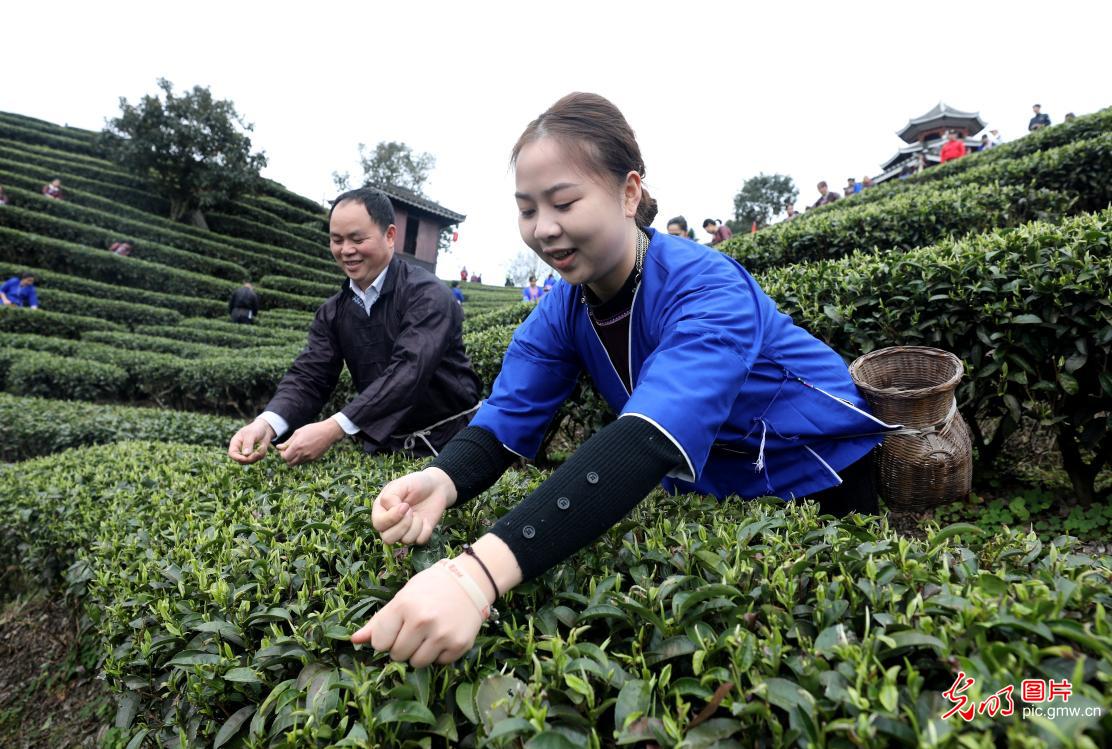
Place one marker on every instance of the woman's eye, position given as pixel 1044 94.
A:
pixel 564 206
pixel 527 212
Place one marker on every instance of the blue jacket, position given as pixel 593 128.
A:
pixel 21 296
pixel 756 405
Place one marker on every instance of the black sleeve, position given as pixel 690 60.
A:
pixel 431 319
pixel 473 459
pixel 254 303
pixel 598 485
pixel 312 377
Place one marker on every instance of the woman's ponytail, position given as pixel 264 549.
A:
pixel 646 209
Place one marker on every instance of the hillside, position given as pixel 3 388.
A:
pixel 152 329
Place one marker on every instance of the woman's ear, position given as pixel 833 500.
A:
pixel 631 194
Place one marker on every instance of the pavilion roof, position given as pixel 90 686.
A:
pixel 411 199
pixel 941 115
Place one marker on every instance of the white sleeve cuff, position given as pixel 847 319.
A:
pixel 277 423
pixel 345 423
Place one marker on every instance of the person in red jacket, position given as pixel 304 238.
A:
pixel 953 148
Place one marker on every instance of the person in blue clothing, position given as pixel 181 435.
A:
pixel 549 282
pixel 716 391
pixel 531 292
pixel 457 293
pixel 19 291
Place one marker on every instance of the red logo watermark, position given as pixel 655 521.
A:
pixel 1000 703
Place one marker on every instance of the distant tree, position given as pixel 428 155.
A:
pixel 193 149
pixel 342 180
pixel 760 199
pixel 395 163
pixel 526 263
pixel 390 163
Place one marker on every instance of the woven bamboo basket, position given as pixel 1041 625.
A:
pixel 915 386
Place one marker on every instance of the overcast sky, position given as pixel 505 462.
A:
pixel 716 92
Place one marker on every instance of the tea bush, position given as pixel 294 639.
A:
pixel 51 376
pixel 292 210
pixel 1028 310
pixel 512 314
pixel 220 381
pixel 127 313
pixel 105 178
pixel 30 427
pixel 245 335
pixel 81 205
pixel 155 344
pixel 48 322
pixel 1079 170
pixel 261 214
pixel 36 136
pixel 33 123
pixel 77 260
pixel 265 234
pixel 99 265
pixel 187 305
pixel 223 599
pixel 45 225
pixel 301 286
pixel 906 221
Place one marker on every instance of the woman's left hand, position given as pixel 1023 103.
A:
pixel 430 620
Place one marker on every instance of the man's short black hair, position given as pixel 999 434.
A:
pixel 708 221
pixel 378 206
pixel 25 274
pixel 1036 105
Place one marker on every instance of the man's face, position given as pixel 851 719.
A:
pixel 27 281
pixel 1036 109
pixel 823 188
pixel 359 246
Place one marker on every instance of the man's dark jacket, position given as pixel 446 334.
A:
pixel 406 361
pixel 244 304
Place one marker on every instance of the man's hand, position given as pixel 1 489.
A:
pixel 251 443
pixel 310 442
pixel 408 509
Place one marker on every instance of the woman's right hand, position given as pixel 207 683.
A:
pixel 408 509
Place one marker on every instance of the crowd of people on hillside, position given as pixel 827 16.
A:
pixel 953 147
pixel 469 278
